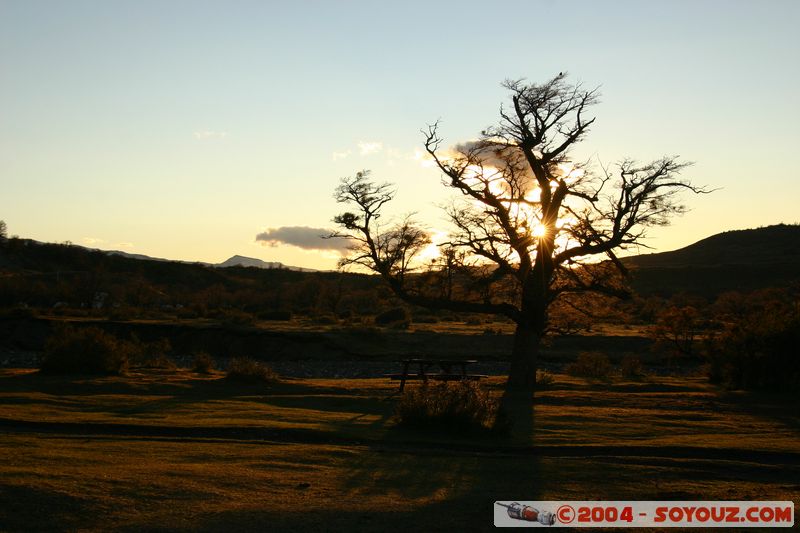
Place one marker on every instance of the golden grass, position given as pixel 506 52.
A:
pixel 349 469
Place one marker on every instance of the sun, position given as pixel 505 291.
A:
pixel 539 231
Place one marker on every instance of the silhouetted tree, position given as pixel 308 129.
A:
pixel 3 231
pixel 531 225
pixel 677 329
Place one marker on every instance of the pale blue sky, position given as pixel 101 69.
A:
pixel 183 129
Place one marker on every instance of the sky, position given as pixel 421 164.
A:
pixel 197 130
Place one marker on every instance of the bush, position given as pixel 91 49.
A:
pixel 202 363
pixel 590 365
pixel 544 379
pixel 461 406
pixel 393 317
pixel 235 317
pixel 246 370
pixel 631 366
pixel 84 351
pixel 676 330
pixel 366 332
pixel 325 320
pixel 758 351
pixel 275 315
pixel 151 354
pixel 18 312
pixel 161 361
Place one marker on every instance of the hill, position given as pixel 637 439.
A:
pixel 54 275
pixel 767 245
pixel 42 275
pixel 733 260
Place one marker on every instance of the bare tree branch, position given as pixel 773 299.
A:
pixel 530 225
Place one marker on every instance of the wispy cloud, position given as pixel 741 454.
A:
pixel 369 147
pixel 92 241
pixel 203 135
pixel 124 245
pixel 341 155
pixel 423 158
pixel 303 237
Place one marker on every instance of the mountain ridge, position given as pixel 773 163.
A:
pixel 777 243
pixel 233 261
pixel 737 260
pixel 740 260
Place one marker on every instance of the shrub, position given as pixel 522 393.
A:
pixel 676 330
pixel 151 354
pixel 631 366
pixel 393 317
pixel 367 332
pixel 461 406
pixel 202 363
pixel 84 351
pixel 161 361
pixel 544 379
pixel 590 365
pixel 275 315
pixel 235 317
pixel 19 312
pixel 246 370
pixel 758 351
pixel 325 320
pixel 119 314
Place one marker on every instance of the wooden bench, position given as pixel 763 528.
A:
pixel 436 377
pixel 445 373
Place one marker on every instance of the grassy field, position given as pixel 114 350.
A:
pixel 166 450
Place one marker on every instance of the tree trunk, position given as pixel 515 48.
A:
pixel 522 376
pixel 516 406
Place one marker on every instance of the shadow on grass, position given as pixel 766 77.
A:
pixel 452 486
pixel 409 490
pixel 782 407
pixel 159 391
pixel 57 511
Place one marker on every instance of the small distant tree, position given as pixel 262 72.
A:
pixel 3 231
pixel 531 225
pixel 676 330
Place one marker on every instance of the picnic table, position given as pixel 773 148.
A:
pixel 448 370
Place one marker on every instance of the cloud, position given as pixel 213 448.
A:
pixel 370 147
pixel 341 155
pixel 492 154
pixel 91 241
pixel 209 134
pixel 424 159
pixel 302 237
pixel 124 245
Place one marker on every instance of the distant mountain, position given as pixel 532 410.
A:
pixel 242 261
pixel 140 257
pixel 235 261
pixel 734 260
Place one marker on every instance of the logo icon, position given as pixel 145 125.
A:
pixel 529 514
